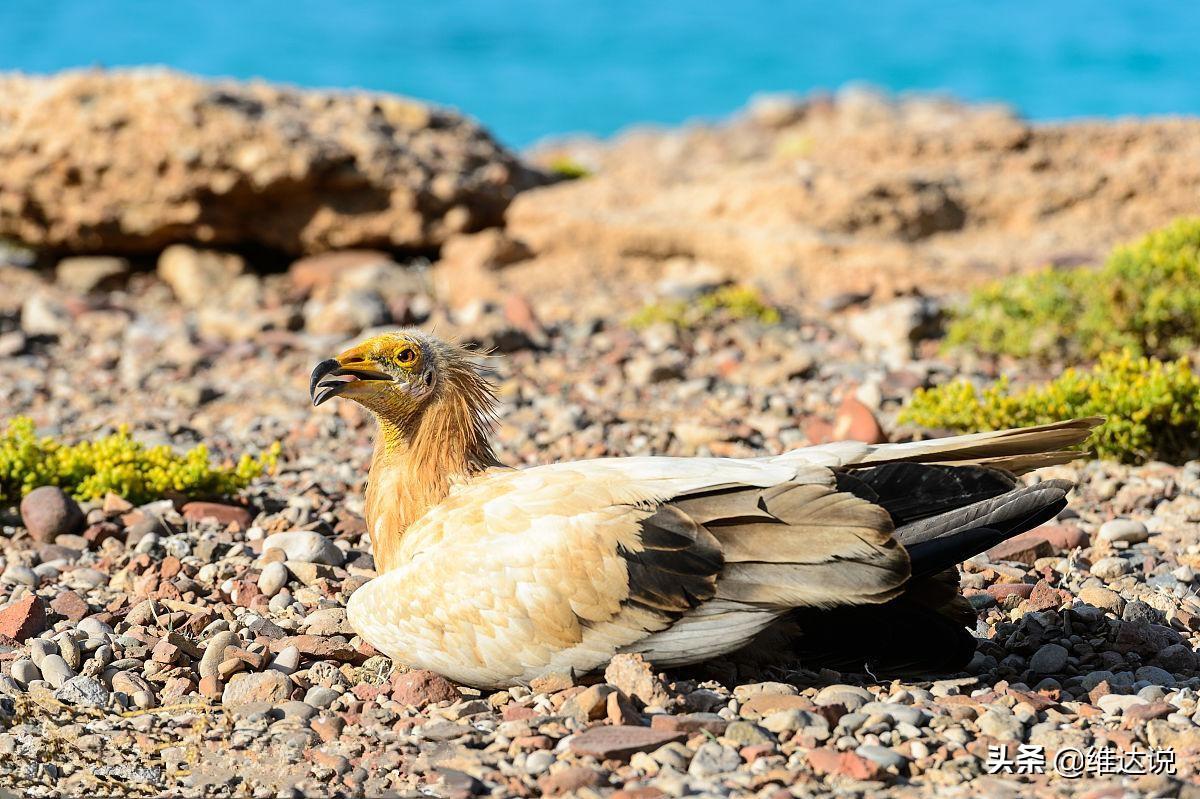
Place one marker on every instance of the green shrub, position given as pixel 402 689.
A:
pixel 1152 407
pixel 730 302
pixel 569 168
pixel 116 463
pixel 1146 298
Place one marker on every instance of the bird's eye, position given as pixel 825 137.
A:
pixel 406 356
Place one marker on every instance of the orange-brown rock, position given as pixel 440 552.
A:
pixel 130 161
pixel 860 192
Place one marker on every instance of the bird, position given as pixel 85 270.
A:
pixel 843 554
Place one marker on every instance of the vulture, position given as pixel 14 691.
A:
pixel 493 576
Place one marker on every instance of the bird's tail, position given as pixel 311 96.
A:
pixel 952 498
pixel 1018 450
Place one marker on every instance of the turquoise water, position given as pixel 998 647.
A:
pixel 531 68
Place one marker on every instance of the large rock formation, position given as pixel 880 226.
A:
pixel 131 161
pixel 860 192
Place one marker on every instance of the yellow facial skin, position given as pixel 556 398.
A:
pixel 391 374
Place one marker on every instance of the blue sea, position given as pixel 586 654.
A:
pixel 535 68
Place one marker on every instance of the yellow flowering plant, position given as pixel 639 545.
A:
pixel 119 464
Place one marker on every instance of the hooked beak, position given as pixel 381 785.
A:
pixel 359 370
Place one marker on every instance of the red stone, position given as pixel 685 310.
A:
pixel 1046 597
pixel 221 513
pixel 856 422
pixel 422 687
pixel 689 723
pixel 367 692
pixel 97 534
pixel 1002 590
pixel 1063 537
pixel 70 605
pixel 1024 548
pixel 210 687
pixel 818 431
pixel 766 704
pixel 755 751
pixel 844 764
pixel 333 647
pixel 1148 711
pixel 169 567
pixel 648 792
pixel 621 743
pixel 327 728
pixel 514 712
pixel 23 619
pixel 568 780
pixel 519 313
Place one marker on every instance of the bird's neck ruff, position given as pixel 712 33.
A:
pixel 419 456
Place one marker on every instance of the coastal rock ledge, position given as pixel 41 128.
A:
pixel 130 161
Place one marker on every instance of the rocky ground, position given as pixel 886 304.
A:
pixel 201 649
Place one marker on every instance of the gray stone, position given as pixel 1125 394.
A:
pixel 82 690
pixel 305 546
pixel 1125 530
pixel 712 759
pixel 295 709
pixel 39 648
pixel 885 757
pixel 1155 675
pixel 319 696
pixel 1049 659
pixel 287 661
pixel 895 711
pixel 539 762
pixel 1001 724
pixel 17 574
pixel 744 733
pixel 93 628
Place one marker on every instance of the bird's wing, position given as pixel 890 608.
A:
pixel 558 567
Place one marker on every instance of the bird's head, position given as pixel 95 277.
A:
pixel 415 384
pixel 392 374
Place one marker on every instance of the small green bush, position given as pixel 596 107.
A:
pixel 1146 298
pixel 568 168
pixel 116 463
pixel 1152 407
pixel 731 302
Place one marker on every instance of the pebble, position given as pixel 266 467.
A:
pixel 17 574
pixel 1001 724
pixel 1049 659
pixel 49 512
pixel 712 758
pixel 1127 530
pixel 24 672
pixel 82 690
pixel 306 546
pixel 1103 598
pixel 287 661
pixel 55 670
pixel 1110 568
pixel 214 652
pixel 269 686
pixel 320 697
pixel 273 578
pixel 885 757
